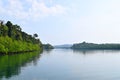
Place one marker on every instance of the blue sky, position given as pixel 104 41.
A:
pixel 66 21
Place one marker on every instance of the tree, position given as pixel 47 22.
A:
pixel 9 24
pixel 5 30
pixel 35 35
pixel 1 22
pixel 18 27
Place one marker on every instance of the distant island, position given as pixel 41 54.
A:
pixel 47 46
pixel 14 40
pixel 85 45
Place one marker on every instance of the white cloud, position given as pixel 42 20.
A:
pixel 27 9
pixel 40 10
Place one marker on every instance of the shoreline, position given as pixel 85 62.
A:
pixel 19 52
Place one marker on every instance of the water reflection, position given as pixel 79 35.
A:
pixel 47 51
pixel 88 51
pixel 62 64
pixel 10 65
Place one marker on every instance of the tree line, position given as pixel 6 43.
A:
pixel 85 45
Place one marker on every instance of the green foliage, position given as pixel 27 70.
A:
pixel 13 39
pixel 9 45
pixel 85 45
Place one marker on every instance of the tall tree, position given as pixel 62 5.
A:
pixel 9 24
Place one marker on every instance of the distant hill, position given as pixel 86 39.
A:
pixel 63 46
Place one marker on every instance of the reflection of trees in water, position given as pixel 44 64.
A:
pixel 84 51
pixel 92 51
pixel 11 64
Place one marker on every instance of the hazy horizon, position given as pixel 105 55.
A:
pixel 66 22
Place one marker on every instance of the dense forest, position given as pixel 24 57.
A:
pixel 13 39
pixel 85 45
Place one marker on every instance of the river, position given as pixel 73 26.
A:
pixel 62 64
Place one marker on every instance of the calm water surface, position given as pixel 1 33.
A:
pixel 62 64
